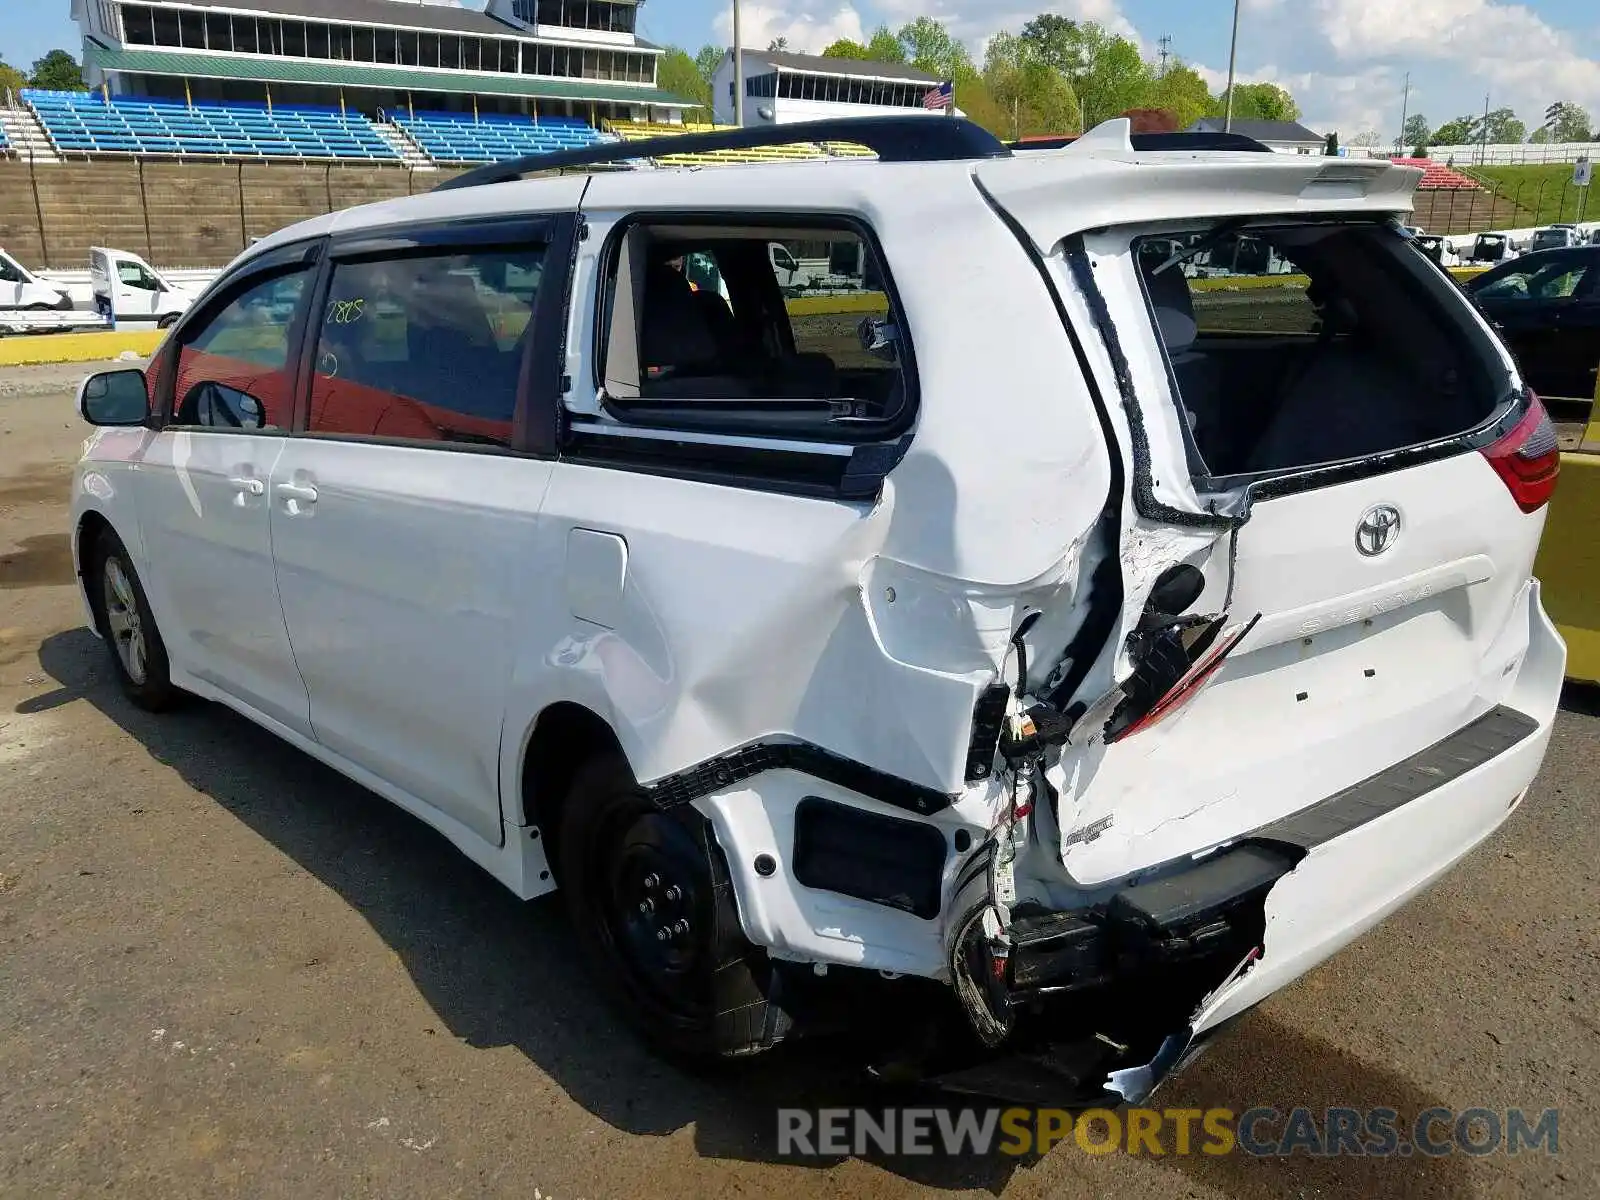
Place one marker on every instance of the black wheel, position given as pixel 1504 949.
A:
pixel 138 655
pixel 168 321
pixel 649 892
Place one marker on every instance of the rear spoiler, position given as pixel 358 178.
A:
pixel 1154 142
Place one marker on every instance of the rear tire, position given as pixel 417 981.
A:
pixel 138 655
pixel 649 896
pixel 168 321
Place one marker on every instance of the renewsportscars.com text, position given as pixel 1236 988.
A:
pixel 1261 1132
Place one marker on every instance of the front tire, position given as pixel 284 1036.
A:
pixel 138 655
pixel 168 321
pixel 648 892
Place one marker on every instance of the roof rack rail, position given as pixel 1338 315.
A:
pixel 1156 142
pixel 911 138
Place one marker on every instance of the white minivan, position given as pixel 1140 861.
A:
pixel 1102 643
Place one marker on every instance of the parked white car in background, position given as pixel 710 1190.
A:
pixel 1105 646
pixel 136 291
pixel 20 288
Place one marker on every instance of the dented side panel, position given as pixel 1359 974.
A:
pixel 867 629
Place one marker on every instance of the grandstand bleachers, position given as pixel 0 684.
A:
pixel 633 131
pixel 462 138
pixel 5 144
pixel 84 123
pixel 1438 177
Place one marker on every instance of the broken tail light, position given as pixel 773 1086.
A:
pixel 1212 653
pixel 1528 459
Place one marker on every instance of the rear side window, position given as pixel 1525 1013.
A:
pixel 425 347
pixel 1291 346
pixel 752 329
pixel 232 370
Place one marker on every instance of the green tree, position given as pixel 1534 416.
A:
pixel 885 46
pixel 929 47
pixel 778 45
pixel 1500 126
pixel 58 71
pixel 1182 93
pixel 1543 136
pixel 1416 131
pixel 679 74
pixel 1105 72
pixel 1331 150
pixel 1262 102
pixel 706 61
pixel 1031 95
pixel 1117 79
pixel 1455 133
pixel 845 48
pixel 11 79
pixel 1568 122
pixel 1062 43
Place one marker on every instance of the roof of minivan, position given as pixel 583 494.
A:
pixel 1098 180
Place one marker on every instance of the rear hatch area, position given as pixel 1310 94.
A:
pixel 1311 619
pixel 1333 494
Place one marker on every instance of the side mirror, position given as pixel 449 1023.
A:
pixel 115 398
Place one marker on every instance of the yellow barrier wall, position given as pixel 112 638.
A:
pixel 75 347
pixel 1569 556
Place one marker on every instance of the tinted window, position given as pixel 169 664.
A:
pixel 233 370
pixel 425 347
pixel 1556 280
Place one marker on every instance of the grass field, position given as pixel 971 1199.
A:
pixel 1545 192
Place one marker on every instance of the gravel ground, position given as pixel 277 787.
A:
pixel 226 970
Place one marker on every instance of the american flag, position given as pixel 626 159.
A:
pixel 942 96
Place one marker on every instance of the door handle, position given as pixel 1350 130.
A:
pixel 248 486
pixel 302 492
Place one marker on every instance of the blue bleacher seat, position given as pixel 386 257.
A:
pixel 461 138
pixel 85 123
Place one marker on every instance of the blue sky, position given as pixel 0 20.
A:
pixel 1344 60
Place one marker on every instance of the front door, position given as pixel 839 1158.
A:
pixel 138 291
pixel 404 521
pixel 203 500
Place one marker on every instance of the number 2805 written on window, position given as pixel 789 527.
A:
pixel 426 348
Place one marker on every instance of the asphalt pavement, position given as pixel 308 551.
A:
pixel 225 970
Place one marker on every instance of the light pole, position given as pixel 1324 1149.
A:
pixel 1233 60
pixel 738 70
pixel 1405 115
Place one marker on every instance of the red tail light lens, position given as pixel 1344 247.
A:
pixel 1528 458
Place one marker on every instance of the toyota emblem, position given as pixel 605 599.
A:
pixel 1379 529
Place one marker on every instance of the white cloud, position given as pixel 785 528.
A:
pixel 810 27
pixel 1519 56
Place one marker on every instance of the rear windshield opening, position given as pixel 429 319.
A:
pixel 1293 346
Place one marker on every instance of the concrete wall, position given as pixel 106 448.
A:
pixel 176 214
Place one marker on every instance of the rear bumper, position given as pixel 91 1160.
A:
pixel 1254 917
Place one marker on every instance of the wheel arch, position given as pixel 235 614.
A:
pixel 91 527
pixel 564 737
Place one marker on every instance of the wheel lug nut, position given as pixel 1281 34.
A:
pixel 680 926
pixel 647 906
pixel 663 934
pixel 651 882
pixel 673 893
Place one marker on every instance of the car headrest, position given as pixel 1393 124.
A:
pixel 1174 307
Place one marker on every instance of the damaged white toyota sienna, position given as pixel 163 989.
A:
pixel 1095 581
